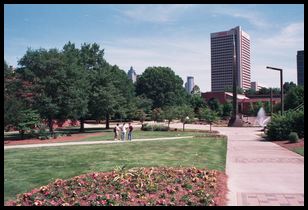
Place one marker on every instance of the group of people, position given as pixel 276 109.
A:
pixel 123 130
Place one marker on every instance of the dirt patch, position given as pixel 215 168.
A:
pixel 73 137
pixel 290 146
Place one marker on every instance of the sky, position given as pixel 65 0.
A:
pixel 171 35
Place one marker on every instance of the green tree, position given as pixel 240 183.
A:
pixel 250 91
pixel 28 119
pixel 185 113
pixel 209 116
pixel 294 97
pixel 214 104
pixel 141 115
pixel 196 91
pixel 197 102
pixel 226 109
pixel 162 86
pixel 157 114
pixel 91 59
pixel 170 113
pixel 74 86
pixel 287 86
pixel 43 69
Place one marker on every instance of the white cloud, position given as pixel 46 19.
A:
pixel 154 13
pixel 249 14
pixel 278 50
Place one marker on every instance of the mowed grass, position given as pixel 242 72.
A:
pixel 299 151
pixel 25 169
pixel 138 134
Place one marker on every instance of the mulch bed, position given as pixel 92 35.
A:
pixel 155 186
pixel 73 137
pixel 290 146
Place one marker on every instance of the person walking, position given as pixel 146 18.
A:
pixel 116 132
pixel 130 130
pixel 124 127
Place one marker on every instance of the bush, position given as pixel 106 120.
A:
pixel 150 127
pixel 282 125
pixel 293 137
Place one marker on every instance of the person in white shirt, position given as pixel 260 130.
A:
pixel 124 128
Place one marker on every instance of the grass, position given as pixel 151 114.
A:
pixel 25 169
pixel 299 151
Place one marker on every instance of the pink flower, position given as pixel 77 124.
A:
pixel 38 203
pixel 103 202
pixel 190 191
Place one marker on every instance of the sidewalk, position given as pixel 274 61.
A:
pixel 90 142
pixel 261 173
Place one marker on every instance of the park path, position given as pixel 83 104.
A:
pixel 90 142
pixel 260 173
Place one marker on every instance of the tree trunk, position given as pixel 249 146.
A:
pixel 81 125
pixel 50 124
pixel 22 134
pixel 168 125
pixel 211 127
pixel 107 121
pixel 183 126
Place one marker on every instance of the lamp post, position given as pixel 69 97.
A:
pixel 281 86
pixel 235 120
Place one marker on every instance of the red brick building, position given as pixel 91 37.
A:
pixel 243 101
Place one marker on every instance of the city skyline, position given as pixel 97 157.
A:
pixel 177 36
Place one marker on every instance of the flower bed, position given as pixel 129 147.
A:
pixel 133 187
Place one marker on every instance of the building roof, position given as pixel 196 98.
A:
pixel 239 96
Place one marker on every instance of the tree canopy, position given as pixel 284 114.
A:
pixel 162 86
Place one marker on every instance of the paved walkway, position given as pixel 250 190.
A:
pixel 90 142
pixel 261 173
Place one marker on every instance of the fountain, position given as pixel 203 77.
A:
pixel 262 119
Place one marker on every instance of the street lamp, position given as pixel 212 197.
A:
pixel 281 85
pixel 235 120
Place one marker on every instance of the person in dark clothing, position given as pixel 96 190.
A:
pixel 130 130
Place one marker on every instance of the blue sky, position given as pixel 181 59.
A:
pixel 173 35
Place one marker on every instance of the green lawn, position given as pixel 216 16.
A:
pixel 25 169
pixel 299 151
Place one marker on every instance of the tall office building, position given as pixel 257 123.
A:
pixel 132 74
pixel 300 67
pixel 222 59
pixel 189 85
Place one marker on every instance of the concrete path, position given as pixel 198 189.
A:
pixel 90 142
pixel 260 172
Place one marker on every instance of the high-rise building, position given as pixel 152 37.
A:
pixel 189 85
pixel 256 86
pixel 222 51
pixel 132 74
pixel 300 67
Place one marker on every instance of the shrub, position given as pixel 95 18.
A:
pixel 281 125
pixel 293 137
pixel 150 127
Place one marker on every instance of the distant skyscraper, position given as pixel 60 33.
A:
pixel 300 67
pixel 222 59
pixel 189 85
pixel 256 86
pixel 132 74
